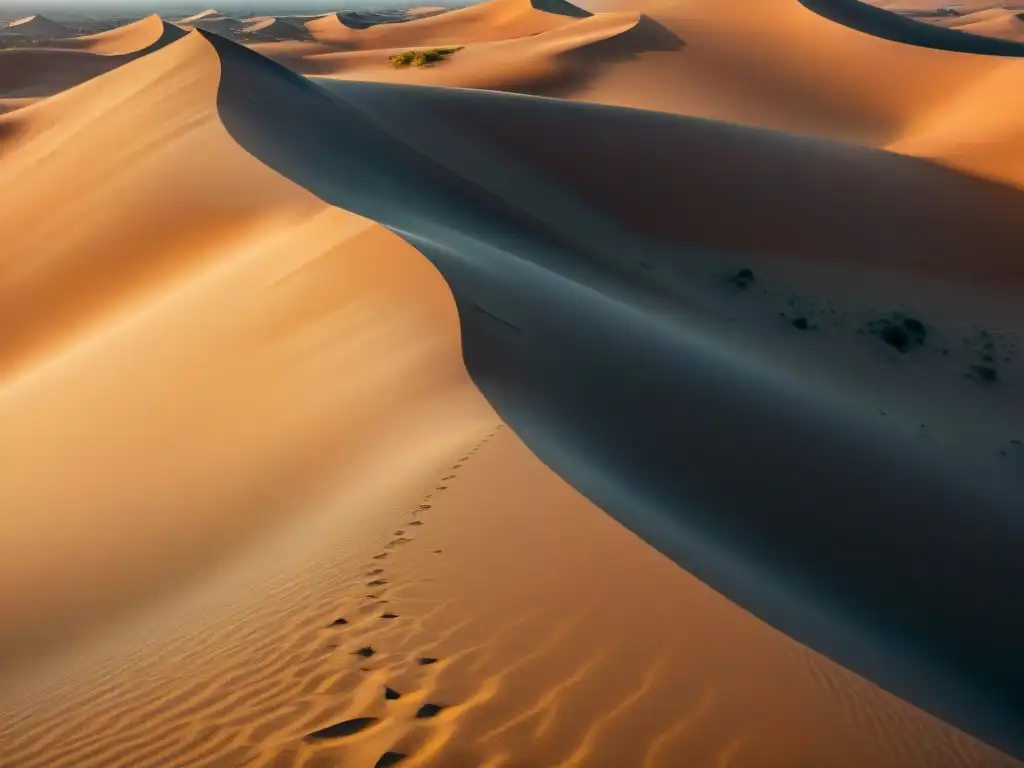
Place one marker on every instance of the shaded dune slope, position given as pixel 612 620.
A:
pixel 882 23
pixel 554 310
pixel 273 29
pixel 37 72
pixel 37 26
pixel 139 37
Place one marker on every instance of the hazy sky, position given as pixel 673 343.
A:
pixel 25 7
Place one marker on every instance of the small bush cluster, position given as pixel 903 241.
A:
pixel 421 58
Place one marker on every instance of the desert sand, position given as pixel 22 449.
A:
pixel 355 419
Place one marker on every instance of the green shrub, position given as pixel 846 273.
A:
pixel 421 58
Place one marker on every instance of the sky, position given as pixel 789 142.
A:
pixel 10 8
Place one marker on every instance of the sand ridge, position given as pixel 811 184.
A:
pixel 141 36
pixel 300 600
pixel 31 73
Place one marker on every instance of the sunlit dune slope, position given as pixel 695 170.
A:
pixel 741 61
pixel 550 63
pixel 146 34
pixel 595 311
pixel 42 71
pixel 189 343
pixel 559 638
pixel 493 20
pixel 212 21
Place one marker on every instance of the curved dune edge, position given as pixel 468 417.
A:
pixel 139 37
pixel 545 63
pixel 278 307
pixel 882 23
pixel 483 22
pixel 32 73
pixel 275 304
pixel 814 589
pixel 506 202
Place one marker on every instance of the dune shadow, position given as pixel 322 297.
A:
pixel 584 64
pixel 900 28
pixel 342 729
pixel 899 562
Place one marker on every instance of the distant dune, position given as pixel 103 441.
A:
pixel 146 34
pixel 43 71
pixel 328 387
pixel 272 29
pixel 930 5
pixel 211 20
pixel 489 21
pixel 994 22
pixel 38 26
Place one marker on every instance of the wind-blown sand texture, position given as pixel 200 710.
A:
pixel 359 422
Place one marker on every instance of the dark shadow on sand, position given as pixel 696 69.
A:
pixel 901 28
pixel 902 564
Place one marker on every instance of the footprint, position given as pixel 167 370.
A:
pixel 389 615
pixel 416 522
pixel 398 533
pixel 424 661
pixel 381 556
pixel 342 729
pixel 338 623
pixel 429 710
pixel 438 551
pixel 397 542
pixel 366 651
pixel 390 758
pixel 375 571
pixel 442 487
pixel 377 583
pixel 425 506
pixel 391 694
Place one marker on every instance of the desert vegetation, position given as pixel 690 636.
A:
pixel 421 58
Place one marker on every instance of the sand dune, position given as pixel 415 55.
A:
pixel 241 341
pixel 32 73
pixel 212 21
pixel 272 29
pixel 38 26
pixel 141 36
pixel 549 647
pixel 88 309
pixel 493 20
pixel 551 63
pixel 439 216
pixel 994 22
pixel 931 5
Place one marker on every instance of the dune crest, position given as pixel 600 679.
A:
pixel 484 22
pixel 257 354
pixel 144 35
pixel 38 26
pixel 483 171
pixel 266 289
